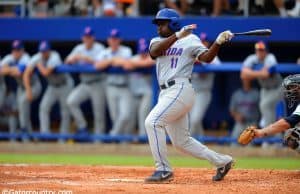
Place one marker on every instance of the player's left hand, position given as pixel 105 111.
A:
pixel 247 135
pixel 185 30
pixel 224 37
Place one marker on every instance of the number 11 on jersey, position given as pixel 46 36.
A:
pixel 174 61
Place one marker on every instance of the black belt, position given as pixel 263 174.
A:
pixel 118 85
pixel 169 84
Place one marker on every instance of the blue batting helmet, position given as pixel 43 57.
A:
pixel 170 15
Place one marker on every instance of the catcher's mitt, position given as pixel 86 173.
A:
pixel 247 135
pixel 292 138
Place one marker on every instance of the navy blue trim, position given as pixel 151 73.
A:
pixel 154 125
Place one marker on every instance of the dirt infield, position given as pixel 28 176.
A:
pixel 110 179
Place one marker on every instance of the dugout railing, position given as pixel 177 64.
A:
pixel 229 67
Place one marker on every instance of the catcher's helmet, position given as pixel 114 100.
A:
pixel 170 15
pixel 291 88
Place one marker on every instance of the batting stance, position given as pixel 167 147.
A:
pixel 59 86
pixel 91 86
pixel 10 66
pixel 291 87
pixel 176 50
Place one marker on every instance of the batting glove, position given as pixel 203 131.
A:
pixel 185 31
pixel 224 37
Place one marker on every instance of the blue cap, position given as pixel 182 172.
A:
pixel 114 33
pixel 44 46
pixel 142 46
pixel 203 36
pixel 17 45
pixel 88 31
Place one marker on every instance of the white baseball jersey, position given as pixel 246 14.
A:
pixel 178 60
pixel 269 61
pixel 124 52
pixel 92 53
pixel 297 110
pixel 11 61
pixel 53 61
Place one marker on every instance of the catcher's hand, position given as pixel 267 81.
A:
pixel 247 135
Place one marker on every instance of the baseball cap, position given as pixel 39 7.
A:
pixel 142 46
pixel 17 45
pixel 44 46
pixel 114 33
pixel 260 45
pixel 88 31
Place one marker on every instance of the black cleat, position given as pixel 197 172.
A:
pixel 221 172
pixel 159 176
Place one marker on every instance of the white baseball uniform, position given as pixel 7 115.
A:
pixel 23 103
pixel 270 92
pixel 140 87
pixel 170 114
pixel 58 89
pixel 92 87
pixel 118 96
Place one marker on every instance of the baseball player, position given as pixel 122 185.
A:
pixel 10 66
pixel 270 92
pixel 140 84
pixel 91 87
pixel 291 86
pixel 176 50
pixel 202 83
pixel 244 107
pixel 118 95
pixel 59 86
pixel 2 87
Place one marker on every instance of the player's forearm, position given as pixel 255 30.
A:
pixel 277 127
pixel 102 64
pixel 45 71
pixel 26 79
pixel 209 55
pixel 5 70
pixel 157 49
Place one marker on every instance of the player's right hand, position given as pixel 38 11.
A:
pixel 29 96
pixel 185 30
pixel 224 37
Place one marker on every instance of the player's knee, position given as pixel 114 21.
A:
pixel 71 102
pixel 149 123
pixel 181 144
pixel 44 108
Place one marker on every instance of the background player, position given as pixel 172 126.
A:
pixel 118 95
pixel 140 84
pixel 92 86
pixel 291 85
pixel 59 86
pixel 270 92
pixel 244 107
pixel 175 51
pixel 10 66
pixel 203 84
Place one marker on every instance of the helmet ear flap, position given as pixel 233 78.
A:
pixel 174 24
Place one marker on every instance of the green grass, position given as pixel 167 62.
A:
pixel 119 160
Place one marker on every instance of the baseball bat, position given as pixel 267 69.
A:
pixel 258 32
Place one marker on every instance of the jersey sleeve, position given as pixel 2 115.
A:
pixel 102 55
pixel 270 60
pixel 156 39
pixel 34 60
pixel 249 61
pixel 75 51
pixel 6 60
pixel 196 47
pixel 54 61
pixel 127 53
pixel 25 59
pixel 297 111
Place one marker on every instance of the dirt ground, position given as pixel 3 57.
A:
pixel 110 179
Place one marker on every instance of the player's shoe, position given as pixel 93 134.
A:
pixel 159 176
pixel 222 171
